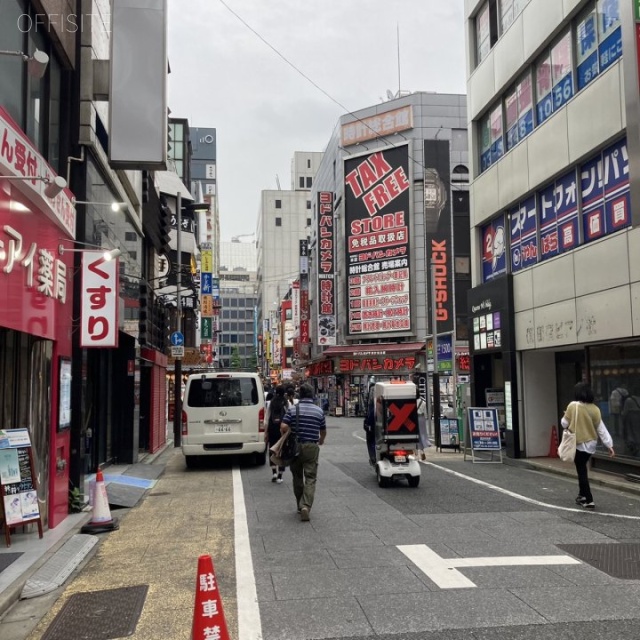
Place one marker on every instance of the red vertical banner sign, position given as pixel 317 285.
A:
pixel 326 318
pixel 377 200
pixel 99 321
pixel 304 297
pixel 439 230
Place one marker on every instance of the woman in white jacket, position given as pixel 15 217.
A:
pixel 583 418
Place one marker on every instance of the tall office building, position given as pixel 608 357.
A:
pixel 283 220
pixel 238 338
pixel 555 161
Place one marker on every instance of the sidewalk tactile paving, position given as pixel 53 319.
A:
pixel 617 560
pixel 99 615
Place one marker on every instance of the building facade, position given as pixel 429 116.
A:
pixel 238 339
pixel 70 374
pixel 555 164
pixel 284 219
pixel 390 203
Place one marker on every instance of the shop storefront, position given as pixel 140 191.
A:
pixel 36 318
pixel 341 378
pixel 532 387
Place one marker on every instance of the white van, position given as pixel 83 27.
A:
pixel 223 414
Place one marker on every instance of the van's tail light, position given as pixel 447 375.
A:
pixel 185 423
pixel 261 421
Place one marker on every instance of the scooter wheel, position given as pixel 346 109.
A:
pixel 383 482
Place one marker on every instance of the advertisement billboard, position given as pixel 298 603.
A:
pixel 377 201
pixel 439 231
pixel 326 317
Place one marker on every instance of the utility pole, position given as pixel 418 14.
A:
pixel 177 414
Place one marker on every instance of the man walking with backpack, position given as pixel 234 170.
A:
pixel 307 421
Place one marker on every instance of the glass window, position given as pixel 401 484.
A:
pixel 55 82
pixel 497 144
pixel 485 143
pixel 615 378
pixel 278 204
pixel 222 392
pixel 278 222
pixel 561 71
pixel 36 111
pixel 483 33
pixel 511 118
pixel 309 182
pixel 524 91
pixel 308 204
pixel 12 68
pixel 459 140
pixel 587 48
pixel 544 104
pixel 301 182
pixel 506 14
pixel 609 33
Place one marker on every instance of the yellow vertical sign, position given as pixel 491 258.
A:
pixel 206 261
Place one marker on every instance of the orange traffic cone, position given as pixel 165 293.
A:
pixel 208 614
pixel 553 446
pixel 101 520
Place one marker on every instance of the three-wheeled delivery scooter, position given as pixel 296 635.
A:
pixel 396 434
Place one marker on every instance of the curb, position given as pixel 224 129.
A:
pixel 11 595
pixel 613 483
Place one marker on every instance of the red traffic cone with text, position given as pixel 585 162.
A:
pixel 208 614
pixel 553 446
pixel 101 520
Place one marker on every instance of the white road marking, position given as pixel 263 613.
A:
pixel 443 572
pixel 249 625
pixel 517 496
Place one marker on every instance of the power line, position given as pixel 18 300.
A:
pixel 319 88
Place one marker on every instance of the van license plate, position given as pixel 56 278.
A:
pixel 222 428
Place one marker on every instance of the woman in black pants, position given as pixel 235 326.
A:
pixel 276 410
pixel 583 418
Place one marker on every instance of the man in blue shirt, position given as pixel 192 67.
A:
pixel 307 420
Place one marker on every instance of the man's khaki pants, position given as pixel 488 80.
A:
pixel 304 470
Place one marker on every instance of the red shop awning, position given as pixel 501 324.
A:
pixel 380 349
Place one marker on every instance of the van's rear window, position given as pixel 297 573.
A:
pixel 223 392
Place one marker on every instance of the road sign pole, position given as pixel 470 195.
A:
pixel 177 371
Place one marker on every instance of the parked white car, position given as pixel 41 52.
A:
pixel 223 414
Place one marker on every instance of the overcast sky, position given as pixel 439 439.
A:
pixel 224 76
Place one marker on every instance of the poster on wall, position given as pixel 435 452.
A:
pixel 377 200
pixel 64 403
pixel 494 249
pixel 439 236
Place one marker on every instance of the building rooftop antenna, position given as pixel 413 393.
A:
pixel 398 38
pixel 278 182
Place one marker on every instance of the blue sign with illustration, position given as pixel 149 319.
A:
pixel 484 429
